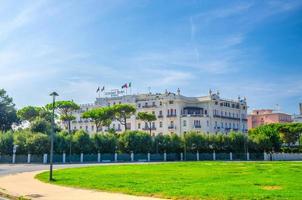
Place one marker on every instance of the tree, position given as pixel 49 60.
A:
pixel 135 141
pixel 266 137
pixel 290 132
pixel 8 114
pixel 40 125
pixel 29 113
pixel 195 141
pixel 81 142
pixel 123 111
pixel 238 142
pixel 101 116
pixel 105 143
pixel 6 142
pixel 147 118
pixel 37 143
pixel 65 109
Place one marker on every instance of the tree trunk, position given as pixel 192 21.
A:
pixel 69 132
pixel 125 123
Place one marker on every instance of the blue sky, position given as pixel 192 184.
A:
pixel 246 48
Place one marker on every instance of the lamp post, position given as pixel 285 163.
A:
pixel 54 95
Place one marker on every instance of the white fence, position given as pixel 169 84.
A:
pixel 283 156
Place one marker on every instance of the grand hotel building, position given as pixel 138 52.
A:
pixel 175 113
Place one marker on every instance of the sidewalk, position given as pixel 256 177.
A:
pixel 24 184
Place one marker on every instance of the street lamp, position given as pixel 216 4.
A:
pixel 54 95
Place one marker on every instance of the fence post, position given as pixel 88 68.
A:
pixel 115 157
pixel 148 157
pixel 181 156
pixel 82 157
pixel 197 155
pixel 214 155
pixel 132 156
pixel 28 158
pixel 99 157
pixel 165 156
pixel 247 156
pixel 14 158
pixel 64 158
pixel 44 158
pixel 231 156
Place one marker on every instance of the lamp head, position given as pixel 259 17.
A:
pixel 54 94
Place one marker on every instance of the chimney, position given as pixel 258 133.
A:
pixel 300 105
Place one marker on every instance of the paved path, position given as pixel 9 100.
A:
pixel 24 184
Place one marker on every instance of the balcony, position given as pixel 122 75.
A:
pixel 192 115
pixel 171 127
pixel 148 106
pixel 171 115
pixel 160 116
pixel 226 117
pixel 197 126
pixel 147 128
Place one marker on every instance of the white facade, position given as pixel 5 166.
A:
pixel 175 113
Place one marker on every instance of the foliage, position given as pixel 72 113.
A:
pixel 40 125
pixel 123 111
pixel 290 132
pixel 65 109
pixel 167 143
pixel 147 118
pixel 105 143
pixel 101 116
pixel 266 137
pixel 6 142
pixel 29 113
pixel 28 142
pixel 135 141
pixel 8 114
pixel 81 142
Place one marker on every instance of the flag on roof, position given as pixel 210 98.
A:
pixel 103 88
pixel 124 86
pixel 98 89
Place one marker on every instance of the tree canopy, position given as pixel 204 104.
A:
pixel 123 111
pixel 147 118
pixel 101 116
pixel 8 114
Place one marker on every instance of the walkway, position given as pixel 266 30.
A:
pixel 24 184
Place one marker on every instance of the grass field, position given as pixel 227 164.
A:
pixel 191 180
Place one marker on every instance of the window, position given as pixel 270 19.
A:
pixel 92 128
pixel 86 128
pixel 215 124
pixel 146 104
pixel 153 124
pixel 160 124
pixel 205 112
pixel 160 112
pixel 208 123
pixel 221 124
pixel 80 127
pixel 160 103
pixel 139 105
pixel 170 102
pixel 153 103
pixel 139 125
pixel 184 123
pixel 118 127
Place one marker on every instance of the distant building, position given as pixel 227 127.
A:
pixel 175 113
pixel 267 116
pixel 298 118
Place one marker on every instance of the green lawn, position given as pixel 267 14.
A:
pixel 191 180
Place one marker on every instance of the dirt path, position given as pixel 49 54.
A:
pixel 24 184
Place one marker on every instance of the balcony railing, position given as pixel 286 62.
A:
pixel 171 127
pixel 171 115
pixel 148 106
pixel 147 128
pixel 160 116
pixel 192 115
pixel 197 126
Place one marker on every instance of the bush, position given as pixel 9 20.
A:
pixel 105 142
pixel 81 142
pixel 135 141
pixel 6 142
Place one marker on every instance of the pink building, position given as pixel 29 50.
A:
pixel 266 116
